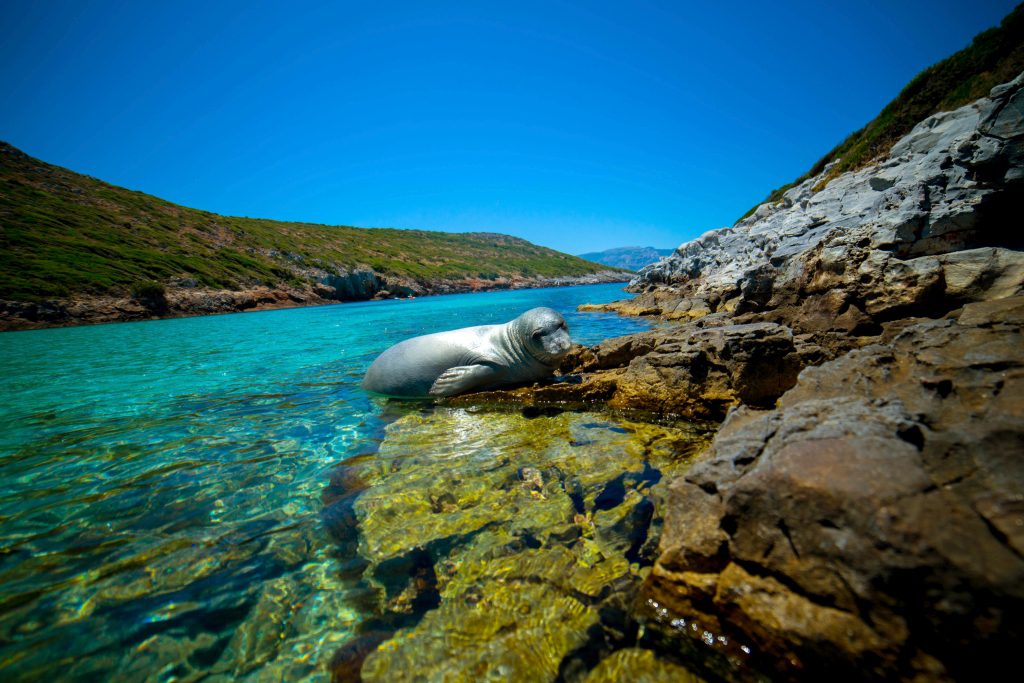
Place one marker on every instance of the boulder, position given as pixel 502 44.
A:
pixel 872 522
pixel 695 371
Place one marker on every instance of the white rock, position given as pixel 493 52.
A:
pixel 920 200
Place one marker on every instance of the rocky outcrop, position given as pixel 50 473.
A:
pixel 872 523
pixel 358 285
pixel 178 302
pixel 859 514
pixel 695 371
pixel 872 245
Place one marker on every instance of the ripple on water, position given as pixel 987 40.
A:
pixel 162 485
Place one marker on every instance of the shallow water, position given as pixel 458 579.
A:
pixel 163 484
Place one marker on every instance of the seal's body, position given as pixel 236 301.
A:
pixel 448 363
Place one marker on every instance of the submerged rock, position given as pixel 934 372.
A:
pixel 509 547
pixel 640 666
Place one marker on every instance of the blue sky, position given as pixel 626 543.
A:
pixel 577 125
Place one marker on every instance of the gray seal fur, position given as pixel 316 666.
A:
pixel 448 363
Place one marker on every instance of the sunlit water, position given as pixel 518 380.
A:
pixel 162 483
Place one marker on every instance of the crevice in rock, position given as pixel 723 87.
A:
pixel 709 487
pixel 533 412
pixel 942 387
pixel 761 571
pixel 912 435
pixel 997 533
pixel 613 494
pixel 781 525
pixel 640 520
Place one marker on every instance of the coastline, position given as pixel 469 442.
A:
pixel 184 302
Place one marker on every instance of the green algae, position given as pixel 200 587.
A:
pixel 522 541
pixel 639 666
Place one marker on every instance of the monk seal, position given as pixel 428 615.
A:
pixel 448 363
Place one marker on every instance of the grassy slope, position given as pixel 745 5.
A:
pixel 65 233
pixel 993 57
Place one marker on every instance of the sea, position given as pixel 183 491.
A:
pixel 163 485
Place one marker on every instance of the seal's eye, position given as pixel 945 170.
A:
pixel 538 334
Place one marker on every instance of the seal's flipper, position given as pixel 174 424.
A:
pixel 461 378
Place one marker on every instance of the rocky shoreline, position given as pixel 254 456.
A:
pixel 860 511
pixel 184 298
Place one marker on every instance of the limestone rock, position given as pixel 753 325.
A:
pixel 955 183
pixel 695 371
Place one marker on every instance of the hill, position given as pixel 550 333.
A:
pixel 630 258
pixel 994 56
pixel 67 236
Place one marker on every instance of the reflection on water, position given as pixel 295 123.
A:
pixel 166 510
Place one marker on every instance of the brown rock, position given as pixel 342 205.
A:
pixel 692 371
pixel 872 523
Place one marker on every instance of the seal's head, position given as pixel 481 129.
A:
pixel 545 334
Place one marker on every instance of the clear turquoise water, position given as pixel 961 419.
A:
pixel 157 479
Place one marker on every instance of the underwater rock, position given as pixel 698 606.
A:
pixel 506 621
pixel 508 546
pixel 639 665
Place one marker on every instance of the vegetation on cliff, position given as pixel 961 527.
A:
pixel 994 56
pixel 63 233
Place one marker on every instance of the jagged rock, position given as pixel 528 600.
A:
pixel 872 522
pixel 696 371
pixel 880 236
pixel 32 314
pixel 701 372
pixel 358 285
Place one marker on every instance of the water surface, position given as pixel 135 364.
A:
pixel 162 483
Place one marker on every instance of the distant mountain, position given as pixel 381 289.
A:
pixel 66 238
pixel 630 258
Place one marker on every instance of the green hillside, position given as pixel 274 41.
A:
pixel 64 233
pixel 994 56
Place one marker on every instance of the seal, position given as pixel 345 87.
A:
pixel 448 363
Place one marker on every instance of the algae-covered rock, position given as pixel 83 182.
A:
pixel 453 473
pixel 639 666
pixel 514 631
pixel 517 539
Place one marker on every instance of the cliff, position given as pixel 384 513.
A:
pixel 928 227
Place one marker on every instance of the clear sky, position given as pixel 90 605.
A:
pixel 577 125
